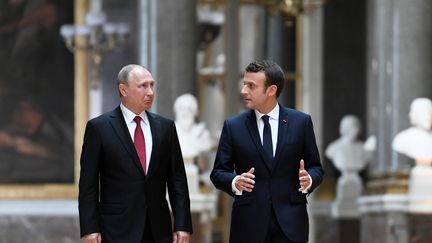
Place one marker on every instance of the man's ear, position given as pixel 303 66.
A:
pixel 272 89
pixel 122 89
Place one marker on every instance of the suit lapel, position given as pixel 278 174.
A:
pixel 251 124
pixel 283 130
pixel 155 128
pixel 120 128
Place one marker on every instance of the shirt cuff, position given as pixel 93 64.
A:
pixel 234 188
pixel 307 188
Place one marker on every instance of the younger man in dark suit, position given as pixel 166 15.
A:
pixel 129 158
pixel 268 160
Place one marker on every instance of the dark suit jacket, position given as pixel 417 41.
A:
pixel 115 196
pixel 276 182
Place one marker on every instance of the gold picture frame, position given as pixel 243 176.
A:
pixel 63 190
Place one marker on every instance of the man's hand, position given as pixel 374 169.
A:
pixel 181 237
pixel 92 238
pixel 245 181
pixel 303 178
pixel 423 161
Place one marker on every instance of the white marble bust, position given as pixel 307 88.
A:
pixel 194 137
pixel 347 152
pixel 195 141
pixel 350 156
pixel 416 141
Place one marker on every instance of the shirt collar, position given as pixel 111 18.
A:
pixel 273 114
pixel 129 115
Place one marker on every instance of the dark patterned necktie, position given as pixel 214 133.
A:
pixel 267 137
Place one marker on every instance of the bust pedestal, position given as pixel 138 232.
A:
pixel 203 205
pixel 192 176
pixel 419 190
pixel 349 189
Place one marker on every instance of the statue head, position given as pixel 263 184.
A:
pixel 421 113
pixel 349 127
pixel 185 109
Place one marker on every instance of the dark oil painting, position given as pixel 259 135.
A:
pixel 36 93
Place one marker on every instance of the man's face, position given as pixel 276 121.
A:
pixel 255 95
pixel 139 93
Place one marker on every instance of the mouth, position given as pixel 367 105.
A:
pixel 148 102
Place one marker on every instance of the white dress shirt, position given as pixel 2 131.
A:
pixel 145 126
pixel 274 125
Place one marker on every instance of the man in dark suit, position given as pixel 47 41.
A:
pixel 129 158
pixel 268 161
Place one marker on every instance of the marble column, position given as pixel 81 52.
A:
pixel 119 12
pixel 232 58
pixel 399 57
pixel 312 83
pixel 168 48
pixel 173 51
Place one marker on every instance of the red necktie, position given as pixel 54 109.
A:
pixel 140 143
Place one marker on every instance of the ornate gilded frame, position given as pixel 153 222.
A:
pixel 55 191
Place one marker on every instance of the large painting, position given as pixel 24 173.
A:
pixel 36 93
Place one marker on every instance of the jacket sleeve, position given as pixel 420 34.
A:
pixel 178 187
pixel 89 182
pixel 223 169
pixel 312 157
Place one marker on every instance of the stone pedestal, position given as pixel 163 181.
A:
pixel 329 229
pixel 420 190
pixel 383 218
pixel 203 207
pixel 192 178
pixel 349 188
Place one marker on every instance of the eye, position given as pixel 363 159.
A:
pixel 248 85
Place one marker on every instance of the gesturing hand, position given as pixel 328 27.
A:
pixel 245 181
pixel 303 178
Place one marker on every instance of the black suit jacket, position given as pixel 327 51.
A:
pixel 115 196
pixel 276 182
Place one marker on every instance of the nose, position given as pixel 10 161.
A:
pixel 243 90
pixel 150 91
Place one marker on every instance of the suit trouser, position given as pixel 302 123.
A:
pixel 275 233
pixel 148 235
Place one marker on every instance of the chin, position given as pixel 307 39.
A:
pixel 250 107
pixel 248 104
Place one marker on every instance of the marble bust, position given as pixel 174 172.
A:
pixel 347 152
pixel 194 138
pixel 416 141
pixel 350 156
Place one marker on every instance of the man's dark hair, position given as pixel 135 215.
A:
pixel 273 73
